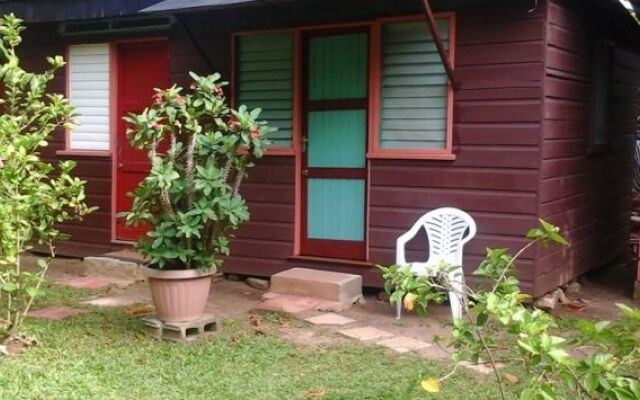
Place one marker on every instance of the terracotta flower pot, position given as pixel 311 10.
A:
pixel 179 295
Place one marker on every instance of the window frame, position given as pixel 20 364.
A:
pixel 602 75
pixel 375 151
pixel 296 65
pixel 67 150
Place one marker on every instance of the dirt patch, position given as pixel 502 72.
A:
pixel 599 293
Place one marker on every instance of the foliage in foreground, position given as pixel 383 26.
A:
pixel 200 150
pixel 498 328
pixel 34 195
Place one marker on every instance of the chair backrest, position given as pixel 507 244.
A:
pixel 448 229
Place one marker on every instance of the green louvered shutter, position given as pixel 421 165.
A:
pixel 265 79
pixel 414 87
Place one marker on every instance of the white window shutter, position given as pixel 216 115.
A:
pixel 414 87
pixel 89 73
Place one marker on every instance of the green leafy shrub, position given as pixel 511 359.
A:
pixel 200 150
pixel 34 195
pixel 498 328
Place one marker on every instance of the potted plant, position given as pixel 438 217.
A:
pixel 200 150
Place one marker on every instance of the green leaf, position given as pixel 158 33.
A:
pixel 9 287
pixel 482 319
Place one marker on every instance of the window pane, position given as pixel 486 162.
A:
pixel 414 87
pixel 338 67
pixel 265 79
pixel 335 209
pixel 337 139
pixel 89 93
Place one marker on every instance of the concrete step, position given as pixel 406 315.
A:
pixel 326 285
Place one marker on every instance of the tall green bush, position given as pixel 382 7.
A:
pixel 34 195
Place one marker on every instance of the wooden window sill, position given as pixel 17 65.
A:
pixel 278 151
pixel 84 153
pixel 123 242
pixel 403 155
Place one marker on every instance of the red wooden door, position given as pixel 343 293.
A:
pixel 142 67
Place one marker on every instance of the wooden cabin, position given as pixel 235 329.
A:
pixel 537 120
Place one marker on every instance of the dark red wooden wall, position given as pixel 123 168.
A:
pixel 520 139
pixel 93 235
pixel 584 191
pixel 496 138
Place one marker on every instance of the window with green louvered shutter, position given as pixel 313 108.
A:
pixel 414 88
pixel 264 78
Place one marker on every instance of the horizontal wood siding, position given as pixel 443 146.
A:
pixel 497 130
pixel 497 114
pixel 587 195
pixel 93 235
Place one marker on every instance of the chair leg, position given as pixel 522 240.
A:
pixel 457 298
pixel 456 305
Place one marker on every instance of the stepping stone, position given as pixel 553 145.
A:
pixel 404 344
pixel 257 283
pixel 110 302
pixel 484 369
pixel 330 319
pixel 56 313
pixel 326 285
pixel 366 333
pixel 85 282
pixel 296 304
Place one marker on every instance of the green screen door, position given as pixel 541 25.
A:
pixel 335 142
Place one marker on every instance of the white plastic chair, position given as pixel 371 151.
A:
pixel 448 230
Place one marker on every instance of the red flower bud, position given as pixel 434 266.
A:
pixel 193 86
pixel 233 123
pixel 157 98
pixel 217 90
pixel 255 133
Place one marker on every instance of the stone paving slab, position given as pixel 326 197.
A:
pixel 113 301
pixel 365 333
pixel 327 285
pixel 484 369
pixel 56 313
pixel 296 304
pixel 85 282
pixel 330 319
pixel 404 344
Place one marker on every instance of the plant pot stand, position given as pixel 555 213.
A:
pixel 183 332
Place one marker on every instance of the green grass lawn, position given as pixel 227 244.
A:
pixel 105 355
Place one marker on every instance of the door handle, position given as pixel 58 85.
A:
pixel 305 172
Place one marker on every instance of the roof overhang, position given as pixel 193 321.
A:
pixel 186 5
pixel 180 6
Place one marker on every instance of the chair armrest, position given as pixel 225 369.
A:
pixel 400 248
